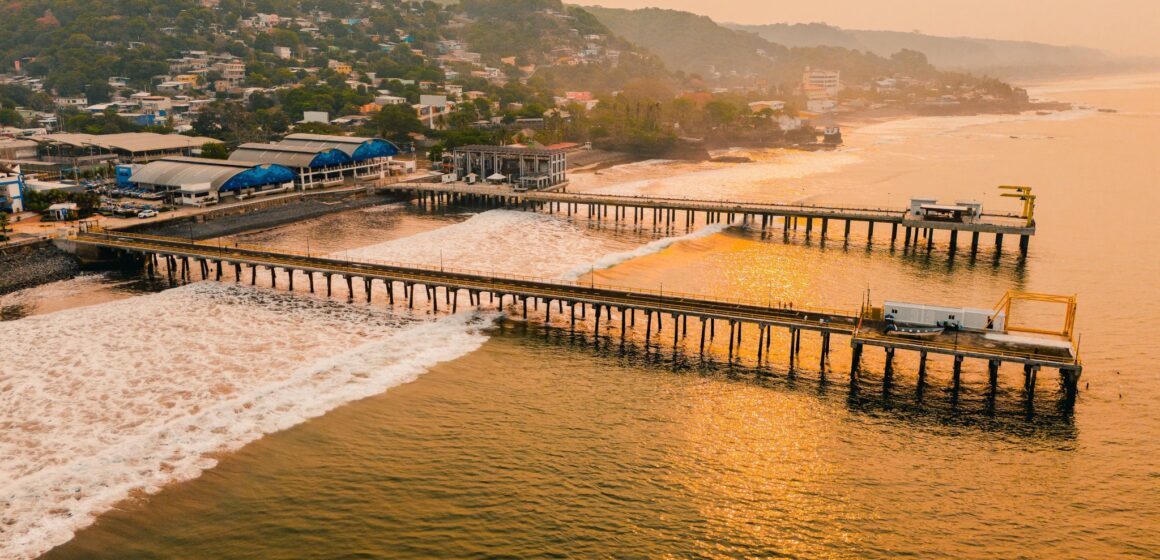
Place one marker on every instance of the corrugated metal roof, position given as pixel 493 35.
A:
pixel 175 172
pixel 290 156
pixel 129 141
pixel 303 139
pixel 357 147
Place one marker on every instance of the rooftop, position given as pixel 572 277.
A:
pixel 508 150
pixel 128 141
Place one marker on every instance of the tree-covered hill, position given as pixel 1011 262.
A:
pixel 697 45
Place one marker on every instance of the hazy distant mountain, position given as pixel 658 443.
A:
pixel 951 53
pixel 696 44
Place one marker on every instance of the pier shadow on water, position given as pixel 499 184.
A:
pixel 1006 411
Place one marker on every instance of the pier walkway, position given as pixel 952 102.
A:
pixel 213 259
pixel 679 211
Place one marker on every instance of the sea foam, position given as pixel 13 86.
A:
pixel 100 402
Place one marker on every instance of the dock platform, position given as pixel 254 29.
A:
pixel 675 212
pixel 215 261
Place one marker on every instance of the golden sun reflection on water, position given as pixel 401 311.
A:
pixel 763 491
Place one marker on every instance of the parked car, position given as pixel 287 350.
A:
pixel 147 213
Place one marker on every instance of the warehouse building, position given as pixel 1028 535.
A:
pixel 315 166
pixel 96 150
pixel 201 181
pixel 372 156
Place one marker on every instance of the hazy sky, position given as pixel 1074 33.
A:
pixel 1121 26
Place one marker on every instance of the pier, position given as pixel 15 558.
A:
pixel 670 213
pixel 633 309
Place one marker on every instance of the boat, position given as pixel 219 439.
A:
pixel 914 332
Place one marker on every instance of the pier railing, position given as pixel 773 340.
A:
pixel 223 250
pixel 740 204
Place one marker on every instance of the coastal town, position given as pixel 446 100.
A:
pixel 292 99
pixel 528 278
pixel 439 78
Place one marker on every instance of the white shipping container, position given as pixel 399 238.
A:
pixel 917 314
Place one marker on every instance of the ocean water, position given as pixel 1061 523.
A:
pixel 226 421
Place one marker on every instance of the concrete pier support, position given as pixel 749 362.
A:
pixel 921 370
pixel 957 376
pixel 760 342
pixel 855 361
pixel 888 372
pixel 825 352
pixel 992 378
pixel 732 328
pixel 1029 375
pixel 792 348
pixel 1070 379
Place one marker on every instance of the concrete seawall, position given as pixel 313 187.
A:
pixel 263 214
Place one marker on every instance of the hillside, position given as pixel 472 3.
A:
pixel 77 46
pixel 951 53
pixel 697 45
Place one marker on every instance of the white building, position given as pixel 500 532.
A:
pixel 824 80
pixel 11 189
pixel 390 100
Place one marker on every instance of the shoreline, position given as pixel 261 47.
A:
pixel 261 452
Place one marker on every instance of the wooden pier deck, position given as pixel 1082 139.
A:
pixel 213 260
pixel 680 211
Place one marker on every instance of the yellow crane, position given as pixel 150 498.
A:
pixel 1024 194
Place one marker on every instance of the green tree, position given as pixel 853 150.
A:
pixel 214 150
pixel 395 122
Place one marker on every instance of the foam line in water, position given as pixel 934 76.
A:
pixel 611 260
pixel 895 131
pixel 506 241
pixel 770 177
pixel 101 402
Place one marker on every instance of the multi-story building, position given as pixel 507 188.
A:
pixel 232 72
pixel 824 80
